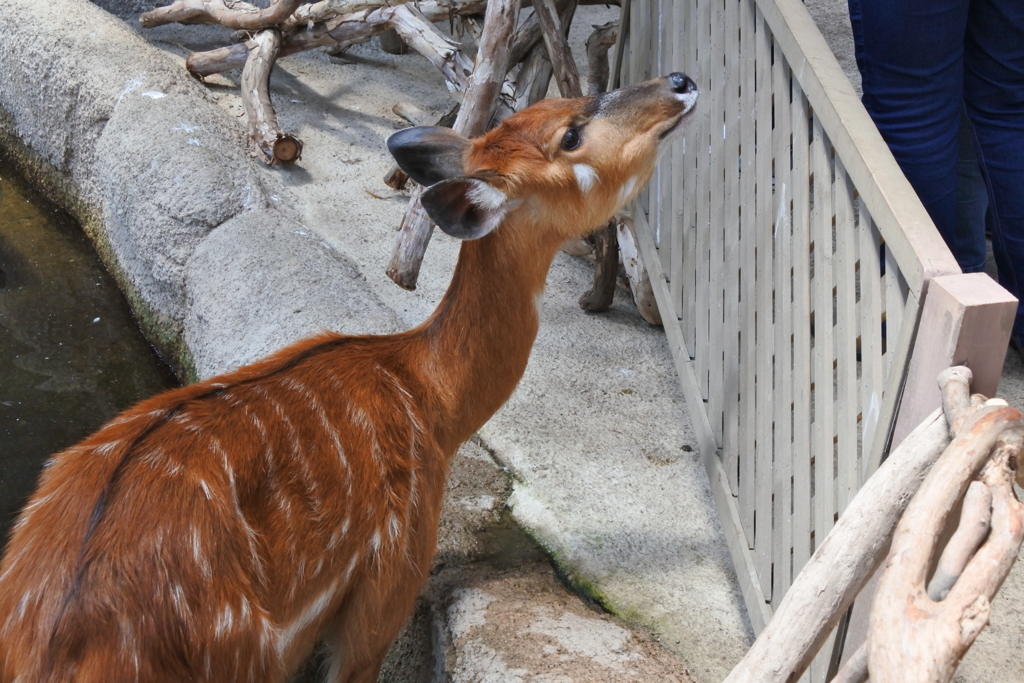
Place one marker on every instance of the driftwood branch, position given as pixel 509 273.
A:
pixel 230 13
pixel 600 41
pixel 272 145
pixel 326 10
pixel 477 107
pixel 914 637
pixel 843 563
pixel 639 281
pixel 341 31
pixel 421 35
pixel 553 31
pixel 531 82
pixel 606 269
pixel 975 522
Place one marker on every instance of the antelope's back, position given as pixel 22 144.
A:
pixel 203 520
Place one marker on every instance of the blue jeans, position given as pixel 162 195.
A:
pixel 921 62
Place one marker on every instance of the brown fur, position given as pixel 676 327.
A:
pixel 219 531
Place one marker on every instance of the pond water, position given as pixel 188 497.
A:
pixel 71 354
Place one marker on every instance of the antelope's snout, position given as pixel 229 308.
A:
pixel 684 89
pixel 658 105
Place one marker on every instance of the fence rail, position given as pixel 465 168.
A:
pixel 790 259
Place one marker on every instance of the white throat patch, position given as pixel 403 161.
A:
pixel 586 176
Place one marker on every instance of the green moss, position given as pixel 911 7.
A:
pixel 166 335
pixel 585 588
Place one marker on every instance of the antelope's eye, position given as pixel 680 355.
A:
pixel 571 139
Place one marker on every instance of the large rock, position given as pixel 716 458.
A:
pixel 171 170
pixel 66 67
pixel 260 281
pixel 521 627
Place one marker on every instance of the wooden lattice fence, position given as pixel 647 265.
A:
pixel 790 259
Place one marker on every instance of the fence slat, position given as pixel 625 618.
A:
pixel 801 443
pixel 758 484
pixel 676 159
pixel 716 378
pixel 665 179
pixel 823 434
pixel 732 267
pixel 895 302
pixel 701 148
pixel 782 536
pixel 748 247
pixel 765 310
pixel 846 341
pixel 872 372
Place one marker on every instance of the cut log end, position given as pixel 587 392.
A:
pixel 396 179
pixel 286 149
pixel 402 278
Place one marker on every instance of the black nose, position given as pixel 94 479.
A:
pixel 681 83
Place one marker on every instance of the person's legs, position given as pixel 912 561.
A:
pixel 994 99
pixel 971 202
pixel 910 55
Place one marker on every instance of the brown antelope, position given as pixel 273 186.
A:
pixel 218 532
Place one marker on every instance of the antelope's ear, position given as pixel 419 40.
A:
pixel 429 154
pixel 465 208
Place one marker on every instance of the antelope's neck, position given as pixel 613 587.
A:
pixel 479 338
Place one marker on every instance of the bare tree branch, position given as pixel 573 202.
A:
pixel 230 13
pixel 914 638
pixel 477 107
pixel 272 145
pixel 600 41
pixel 566 74
pixel 421 35
pixel 975 522
pixel 341 30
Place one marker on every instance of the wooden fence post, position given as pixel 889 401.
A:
pixel 966 320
